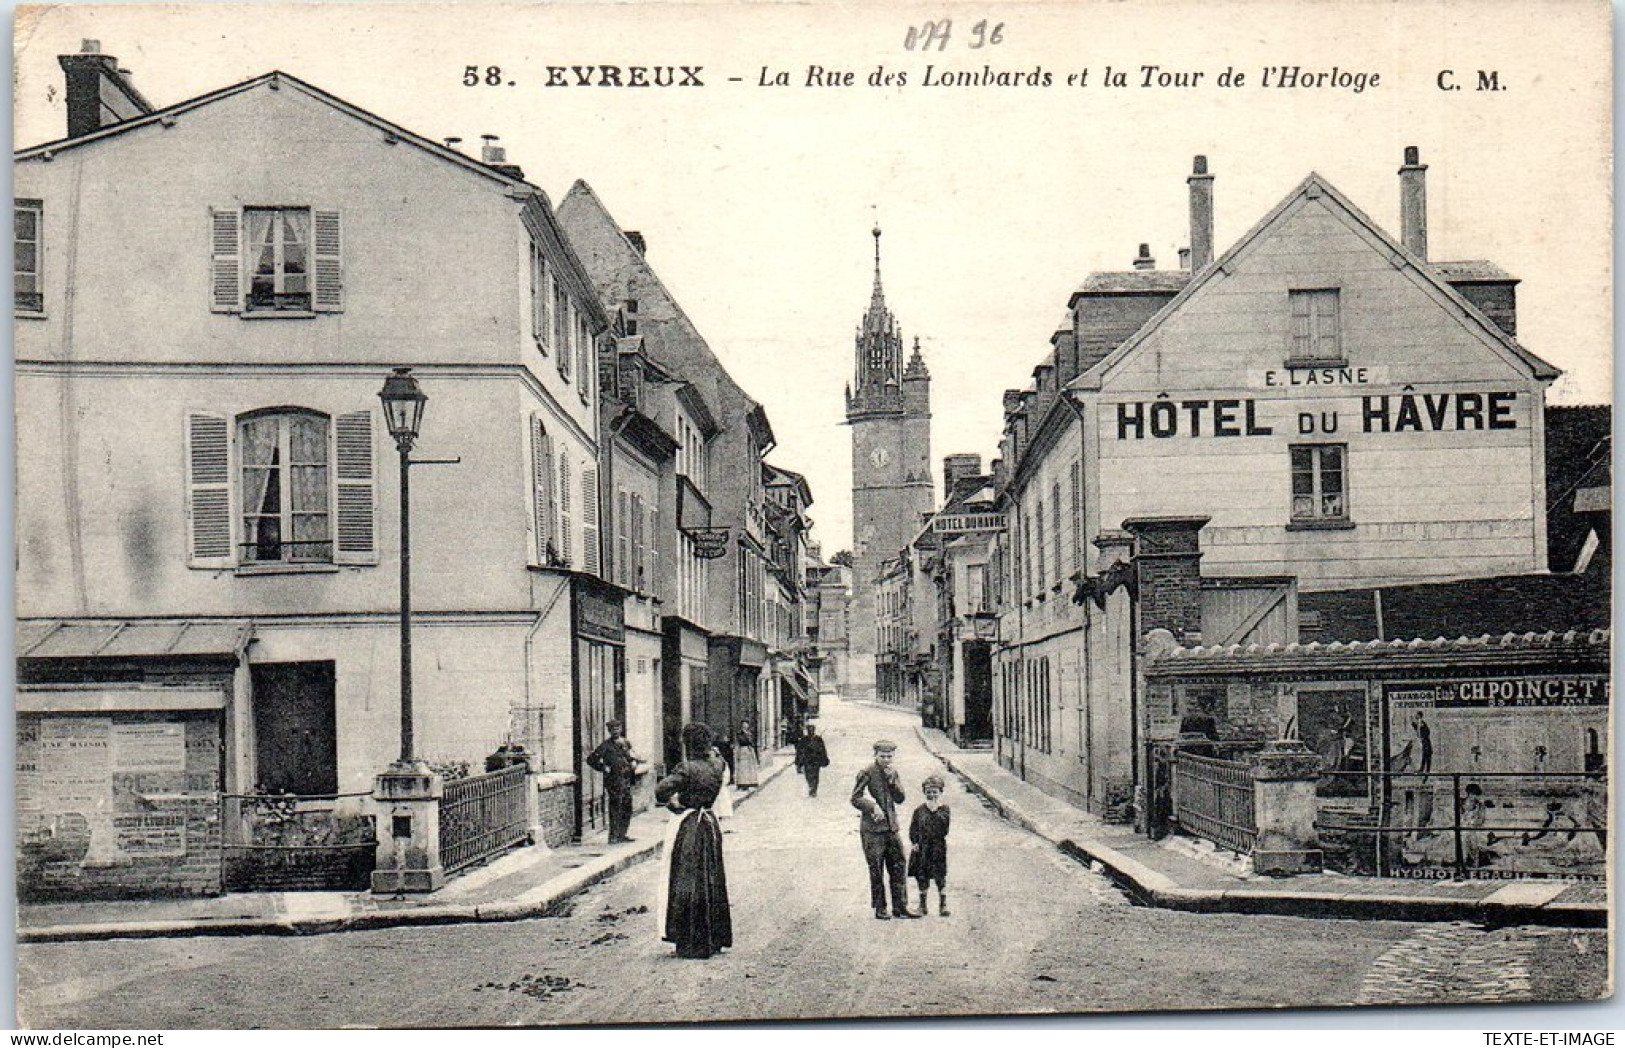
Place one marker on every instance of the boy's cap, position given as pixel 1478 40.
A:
pixel 885 746
pixel 934 782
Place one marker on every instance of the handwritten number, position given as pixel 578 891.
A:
pixel 983 37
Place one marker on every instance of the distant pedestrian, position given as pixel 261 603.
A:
pixel 693 912
pixel 812 757
pixel 876 794
pixel 928 833
pixel 614 760
pixel 747 760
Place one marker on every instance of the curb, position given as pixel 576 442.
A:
pixel 535 903
pixel 1153 888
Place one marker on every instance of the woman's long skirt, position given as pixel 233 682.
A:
pixel 697 918
pixel 747 769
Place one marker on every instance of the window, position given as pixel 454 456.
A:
pixel 29 216
pixel 540 322
pixel 275 261
pixel 629 309
pixel 286 486
pixel 278 259
pixel 1319 483
pixel 544 508
pixel 285 479
pixel 1315 335
pixel 561 328
pixel 584 347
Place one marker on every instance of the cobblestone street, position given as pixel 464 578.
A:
pixel 1031 931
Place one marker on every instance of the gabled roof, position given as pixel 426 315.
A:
pixel 1316 187
pixel 583 194
pixel 276 80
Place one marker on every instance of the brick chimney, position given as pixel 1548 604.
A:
pixel 1066 356
pixel 99 93
pixel 955 467
pixel 496 158
pixel 1413 203
pixel 1168 573
pixel 1144 260
pixel 1201 184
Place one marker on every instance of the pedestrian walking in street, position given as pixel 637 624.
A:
pixel 615 761
pixel 693 911
pixel 724 807
pixel 747 759
pixel 877 793
pixel 812 757
pixel 928 833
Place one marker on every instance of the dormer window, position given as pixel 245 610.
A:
pixel 1316 328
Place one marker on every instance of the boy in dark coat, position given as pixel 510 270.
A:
pixel 876 795
pixel 928 832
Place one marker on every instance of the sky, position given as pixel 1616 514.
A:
pixel 996 201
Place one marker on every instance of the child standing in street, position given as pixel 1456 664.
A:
pixel 928 833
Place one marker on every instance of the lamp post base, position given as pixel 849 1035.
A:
pixel 407 797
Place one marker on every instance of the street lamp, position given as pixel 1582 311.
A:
pixel 403 412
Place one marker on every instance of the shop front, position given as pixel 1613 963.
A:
pixel 122 759
pixel 1478 758
pixel 598 628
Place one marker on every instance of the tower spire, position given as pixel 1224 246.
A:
pixel 877 299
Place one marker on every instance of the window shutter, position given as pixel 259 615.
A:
pixel 625 569
pixel 541 489
pixel 1326 328
pixel 329 283
pixel 589 523
pixel 636 525
pixel 651 550
pixel 208 491
pixel 565 553
pixel 355 490
pixel 1302 332
pixel 225 265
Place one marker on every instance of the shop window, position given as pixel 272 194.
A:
pixel 1320 484
pixel 1316 327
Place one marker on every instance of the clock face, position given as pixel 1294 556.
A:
pixel 879 456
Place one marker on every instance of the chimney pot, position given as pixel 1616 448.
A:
pixel 1184 258
pixel 453 143
pixel 1413 203
pixel 638 243
pixel 90 47
pixel 1201 187
pixel 1144 259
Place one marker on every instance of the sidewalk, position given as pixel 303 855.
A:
pixel 525 883
pixel 1183 874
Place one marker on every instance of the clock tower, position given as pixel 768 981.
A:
pixel 888 407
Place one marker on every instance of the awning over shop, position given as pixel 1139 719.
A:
pixel 124 639
pixel 119 700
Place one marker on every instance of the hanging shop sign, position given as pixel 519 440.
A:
pixel 709 543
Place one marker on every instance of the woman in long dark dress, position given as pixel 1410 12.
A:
pixel 697 918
